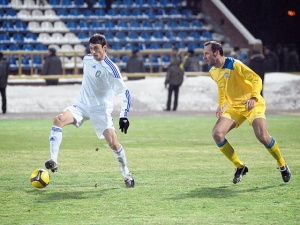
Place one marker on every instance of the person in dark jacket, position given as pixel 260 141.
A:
pixel 135 64
pixel 174 79
pixel 191 64
pixel 257 64
pixel 4 69
pixel 271 60
pixel 52 66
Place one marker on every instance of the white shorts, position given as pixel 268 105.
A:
pixel 100 118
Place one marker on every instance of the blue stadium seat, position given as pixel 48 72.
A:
pixel 37 62
pixel 196 35
pixel 55 3
pixel 62 13
pixel 136 13
pixel 180 45
pixel 97 26
pixel 79 3
pixel 182 35
pixel 192 46
pixel 88 14
pixel 109 35
pixel 158 35
pixel 11 13
pixel 21 26
pixel 150 13
pixel 206 35
pixel 171 24
pixel 125 13
pixel 164 3
pixel 147 25
pixel 123 25
pixel 121 36
pixel 155 46
pixel 140 3
pixel 183 24
pixel 18 38
pixel 99 13
pixel 152 3
pixel 13 64
pixel 83 37
pixel 7 26
pixel 167 45
pixel 25 63
pixel 41 47
pixel 159 25
pixel 4 39
pixel 127 3
pixel 197 24
pixel 109 25
pixel 28 47
pixel 170 36
pixel 165 61
pixel 135 25
pixel 74 13
pixel 174 13
pixel 3 47
pixel 187 13
pixel 116 47
pixel 72 25
pixel 133 36
pixel 84 26
pixel 66 3
pixel 112 12
pixel 14 47
pixel 130 47
pixel 3 3
pixel 146 35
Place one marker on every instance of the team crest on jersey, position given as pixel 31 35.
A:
pixel 226 74
pixel 98 73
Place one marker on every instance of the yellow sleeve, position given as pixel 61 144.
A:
pixel 221 97
pixel 253 78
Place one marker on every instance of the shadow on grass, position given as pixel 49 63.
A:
pixel 222 192
pixel 68 194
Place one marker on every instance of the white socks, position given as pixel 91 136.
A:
pixel 55 141
pixel 120 156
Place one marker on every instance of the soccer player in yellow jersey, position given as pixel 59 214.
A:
pixel 239 99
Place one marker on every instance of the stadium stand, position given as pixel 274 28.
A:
pixel 144 24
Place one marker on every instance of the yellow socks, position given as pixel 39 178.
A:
pixel 226 148
pixel 275 152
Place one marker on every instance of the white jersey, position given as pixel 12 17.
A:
pixel 101 81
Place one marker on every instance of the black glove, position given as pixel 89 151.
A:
pixel 124 124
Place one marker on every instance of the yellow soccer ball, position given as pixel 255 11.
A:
pixel 40 178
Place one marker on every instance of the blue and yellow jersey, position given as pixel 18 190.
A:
pixel 236 82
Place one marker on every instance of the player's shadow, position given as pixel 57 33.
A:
pixel 50 196
pixel 221 192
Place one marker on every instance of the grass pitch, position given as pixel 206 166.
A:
pixel 181 177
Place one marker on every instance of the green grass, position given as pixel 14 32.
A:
pixel 181 177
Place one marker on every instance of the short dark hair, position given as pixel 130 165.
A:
pixel 215 46
pixel 98 39
pixel 1 55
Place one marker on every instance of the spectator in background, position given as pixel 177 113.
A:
pixel 176 55
pixel 191 64
pixel 52 66
pixel 4 67
pixel 257 64
pixel 271 60
pixel 135 64
pixel 292 63
pixel 237 53
pixel 174 79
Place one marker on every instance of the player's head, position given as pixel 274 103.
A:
pixel 98 46
pixel 211 52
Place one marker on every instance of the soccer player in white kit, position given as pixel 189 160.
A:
pixel 102 80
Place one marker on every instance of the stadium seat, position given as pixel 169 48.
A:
pixel 152 3
pixel 41 47
pixel 83 37
pixel 14 47
pixel 109 25
pixel 79 48
pixel 44 38
pixel 46 26
pixel 4 3
pixel 123 25
pixel 145 35
pixel 121 36
pixel 123 61
pixel 158 35
pixel 74 13
pixel 197 24
pixel 60 26
pixel 37 15
pixel 133 36
pixel 13 63
pixel 28 47
pixel 34 26
pixel 72 26
pixel 57 38
pixel 7 26
pixel 135 25
pixel 66 48
pixel 24 14
pixel 66 3
pixel 159 25
pixel 71 38
pixel 174 13
pixel 180 45
pixel 102 3
pixel 147 25
pixel 167 45
pixel 109 35
pixel 183 24
pixel 62 13
pixel 18 38
pixel 54 3
pixel 136 13
pixel 79 3
pixel 79 62
pixel 25 63
pixel 164 3
pixel 20 26
pixel 171 24
pixel 182 35
pixel 150 13
pixel 97 26
pixel 170 36
pixel 140 3
pixel 88 14
pixel 11 14
pixel 50 14
pixel 125 13
pixel 206 36
pixel 192 46
pixel 3 47
pixel 187 13
pixel 127 3
pixel 195 35
pixel 112 12
pixel 84 26
pixel 4 39
pixel 155 46
pixel 37 62
pixel 116 47
pixel 99 13
pixel 165 62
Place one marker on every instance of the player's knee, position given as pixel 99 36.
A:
pixel 217 135
pixel 264 139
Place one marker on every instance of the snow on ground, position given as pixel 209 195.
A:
pixel 281 91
